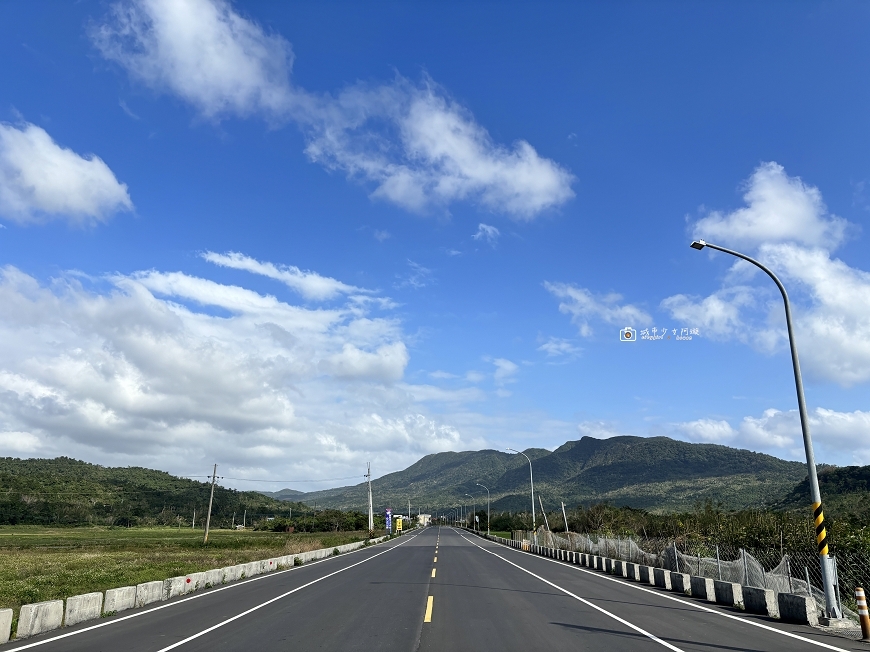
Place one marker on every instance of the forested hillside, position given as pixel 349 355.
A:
pixel 65 491
pixel 652 473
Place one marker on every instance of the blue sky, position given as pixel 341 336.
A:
pixel 295 237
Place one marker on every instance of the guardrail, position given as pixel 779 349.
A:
pixel 788 607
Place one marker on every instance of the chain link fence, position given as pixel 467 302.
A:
pixel 782 571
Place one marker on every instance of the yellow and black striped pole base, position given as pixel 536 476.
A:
pixel 821 534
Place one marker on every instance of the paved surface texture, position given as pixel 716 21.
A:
pixel 439 589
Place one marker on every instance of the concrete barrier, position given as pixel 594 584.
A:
pixel 149 592
pixel 214 577
pixel 702 587
pixel 619 568
pixel 608 565
pixel 119 599
pixel 646 575
pixel 80 608
pixel 38 618
pixel 760 601
pixel 728 593
pixel 194 582
pixel 799 609
pixel 599 563
pixel 5 625
pixel 681 583
pixel 631 571
pixel 174 586
pixel 662 578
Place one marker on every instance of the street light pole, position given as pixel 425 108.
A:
pixel 473 511
pixel 371 513
pixel 532 484
pixel 828 574
pixel 487 507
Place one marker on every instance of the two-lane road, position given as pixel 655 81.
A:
pixel 439 589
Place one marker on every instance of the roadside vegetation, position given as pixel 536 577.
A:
pixel 50 563
pixel 707 524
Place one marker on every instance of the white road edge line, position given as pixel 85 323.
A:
pixel 194 597
pixel 275 599
pixel 577 597
pixel 682 602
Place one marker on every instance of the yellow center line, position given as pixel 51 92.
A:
pixel 428 617
pixel 433 572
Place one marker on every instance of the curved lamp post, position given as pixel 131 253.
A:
pixel 487 507
pixel 532 484
pixel 832 606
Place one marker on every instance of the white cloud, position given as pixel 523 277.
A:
pixel 145 373
pixel 710 431
pixel 413 143
pixel 716 316
pixel 833 331
pixel 505 371
pixel 556 347
pixel 599 429
pixel 422 150
pixel 474 376
pixel 19 442
pixel 417 278
pixel 380 236
pixel 779 209
pixel 487 233
pixel 584 307
pixel 788 229
pixel 838 437
pixel 41 181
pixel 202 51
pixel 442 375
pixel 309 284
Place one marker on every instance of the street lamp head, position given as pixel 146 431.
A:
pixel 698 244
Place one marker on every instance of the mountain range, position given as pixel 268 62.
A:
pixel 652 473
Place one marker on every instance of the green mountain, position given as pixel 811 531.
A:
pixel 284 494
pixel 65 491
pixel 845 493
pixel 653 473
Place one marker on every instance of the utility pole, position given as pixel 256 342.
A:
pixel 371 513
pixel 565 517
pixel 244 519
pixel 193 522
pixel 546 521
pixel 210 500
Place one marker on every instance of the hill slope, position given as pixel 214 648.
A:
pixel 65 491
pixel 654 473
pixel 845 493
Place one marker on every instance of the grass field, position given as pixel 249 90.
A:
pixel 503 535
pixel 38 563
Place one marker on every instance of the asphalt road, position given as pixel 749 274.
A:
pixel 442 590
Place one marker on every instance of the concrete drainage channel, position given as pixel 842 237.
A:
pixel 46 616
pixel 788 607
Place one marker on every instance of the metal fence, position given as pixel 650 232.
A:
pixel 781 571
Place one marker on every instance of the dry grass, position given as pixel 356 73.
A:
pixel 46 564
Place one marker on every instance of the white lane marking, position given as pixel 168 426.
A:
pixel 193 597
pixel 275 599
pixel 577 597
pixel 682 602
